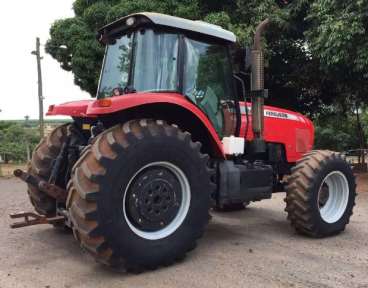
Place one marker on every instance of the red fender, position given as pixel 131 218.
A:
pixel 72 109
pixel 95 108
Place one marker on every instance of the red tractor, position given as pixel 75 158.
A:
pixel 170 136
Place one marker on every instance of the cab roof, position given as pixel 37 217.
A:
pixel 173 22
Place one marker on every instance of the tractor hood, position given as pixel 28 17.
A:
pixel 283 126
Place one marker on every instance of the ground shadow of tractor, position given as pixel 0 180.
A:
pixel 234 228
pixel 248 223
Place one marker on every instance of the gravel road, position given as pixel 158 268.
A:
pixel 252 248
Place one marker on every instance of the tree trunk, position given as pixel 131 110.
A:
pixel 361 136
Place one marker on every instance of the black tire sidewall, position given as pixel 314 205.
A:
pixel 119 172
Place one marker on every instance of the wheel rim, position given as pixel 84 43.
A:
pixel 156 200
pixel 333 196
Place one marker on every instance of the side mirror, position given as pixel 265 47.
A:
pixel 241 88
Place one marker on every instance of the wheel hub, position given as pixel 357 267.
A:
pixel 153 199
pixel 333 196
pixel 323 195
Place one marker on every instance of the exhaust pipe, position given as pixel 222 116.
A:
pixel 257 87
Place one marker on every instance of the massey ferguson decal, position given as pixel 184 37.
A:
pixel 279 115
pixel 273 114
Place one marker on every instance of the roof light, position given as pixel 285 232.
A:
pixel 130 21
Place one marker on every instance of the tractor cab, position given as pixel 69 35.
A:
pixel 151 52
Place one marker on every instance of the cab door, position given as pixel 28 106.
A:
pixel 208 83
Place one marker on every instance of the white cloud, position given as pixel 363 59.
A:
pixel 21 22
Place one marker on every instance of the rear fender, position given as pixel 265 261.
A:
pixel 171 107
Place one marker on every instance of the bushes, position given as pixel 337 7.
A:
pixel 14 140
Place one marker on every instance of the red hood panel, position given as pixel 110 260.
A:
pixel 283 126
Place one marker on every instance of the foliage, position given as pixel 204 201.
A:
pixel 74 46
pixel 335 134
pixel 14 139
pixel 338 34
pixel 338 37
pixel 73 42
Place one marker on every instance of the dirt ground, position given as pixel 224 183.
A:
pixel 6 170
pixel 252 248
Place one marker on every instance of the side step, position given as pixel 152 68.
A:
pixel 31 219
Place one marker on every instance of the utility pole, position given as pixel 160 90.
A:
pixel 26 126
pixel 37 53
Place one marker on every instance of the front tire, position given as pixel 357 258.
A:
pixel 140 195
pixel 41 164
pixel 320 194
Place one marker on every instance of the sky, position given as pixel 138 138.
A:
pixel 21 22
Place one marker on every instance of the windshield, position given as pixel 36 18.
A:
pixel 145 61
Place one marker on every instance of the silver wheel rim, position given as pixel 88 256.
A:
pixel 183 210
pixel 338 197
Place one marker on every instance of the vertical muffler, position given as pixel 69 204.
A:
pixel 257 89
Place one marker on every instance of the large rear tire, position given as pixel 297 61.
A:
pixel 320 194
pixel 140 195
pixel 41 164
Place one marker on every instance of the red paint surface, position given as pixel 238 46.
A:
pixel 92 108
pixel 73 109
pixel 297 133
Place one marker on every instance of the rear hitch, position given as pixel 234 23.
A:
pixel 50 189
pixel 31 219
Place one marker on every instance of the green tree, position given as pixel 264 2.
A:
pixel 286 49
pixel 83 54
pixel 333 132
pixel 13 140
pixel 338 37
pixel 73 43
